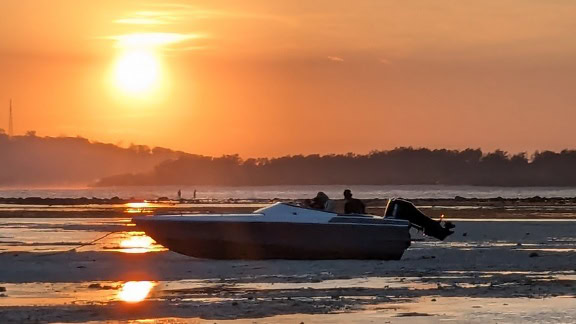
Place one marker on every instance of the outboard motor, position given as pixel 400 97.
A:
pixel 403 209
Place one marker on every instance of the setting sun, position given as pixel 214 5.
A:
pixel 137 71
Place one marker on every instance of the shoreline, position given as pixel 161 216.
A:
pixel 456 201
pixel 459 207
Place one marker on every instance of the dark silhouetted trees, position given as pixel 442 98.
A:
pixel 32 160
pixel 404 165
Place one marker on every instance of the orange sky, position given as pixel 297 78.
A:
pixel 268 78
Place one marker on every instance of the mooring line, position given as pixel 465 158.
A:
pixel 81 245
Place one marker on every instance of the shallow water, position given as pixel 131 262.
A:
pixel 177 291
pixel 128 208
pixel 295 192
pixel 483 273
pixel 62 234
pixel 340 301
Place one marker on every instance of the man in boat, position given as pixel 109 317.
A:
pixel 353 205
pixel 321 202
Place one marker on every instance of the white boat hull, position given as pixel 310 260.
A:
pixel 280 232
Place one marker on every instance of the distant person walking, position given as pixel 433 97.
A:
pixel 179 194
pixel 194 194
pixel 353 205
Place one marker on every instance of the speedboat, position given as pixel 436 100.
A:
pixel 285 231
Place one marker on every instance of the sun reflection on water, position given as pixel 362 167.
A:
pixel 135 291
pixel 138 207
pixel 137 204
pixel 137 242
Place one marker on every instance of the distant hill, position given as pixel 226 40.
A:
pixel 74 161
pixel 398 166
pixel 71 161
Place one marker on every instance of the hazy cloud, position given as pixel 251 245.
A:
pixel 187 11
pixel 190 48
pixel 140 21
pixel 335 59
pixel 152 40
pixel 149 18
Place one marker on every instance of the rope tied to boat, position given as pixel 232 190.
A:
pixel 81 245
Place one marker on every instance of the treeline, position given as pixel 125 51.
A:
pixel 31 160
pixel 398 166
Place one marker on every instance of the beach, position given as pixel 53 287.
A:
pixel 508 262
pixel 291 162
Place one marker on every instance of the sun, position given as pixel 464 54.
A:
pixel 137 71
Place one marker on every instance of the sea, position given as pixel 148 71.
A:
pixel 292 192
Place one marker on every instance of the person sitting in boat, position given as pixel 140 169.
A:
pixel 353 205
pixel 321 202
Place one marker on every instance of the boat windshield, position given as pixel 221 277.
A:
pixel 283 206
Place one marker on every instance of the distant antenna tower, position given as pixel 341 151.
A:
pixel 10 122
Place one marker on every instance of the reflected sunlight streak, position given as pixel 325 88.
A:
pixel 138 204
pixel 137 242
pixel 138 208
pixel 135 291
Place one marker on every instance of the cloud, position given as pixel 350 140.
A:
pixel 335 59
pixel 191 48
pixel 174 12
pixel 149 18
pixel 140 21
pixel 384 61
pixel 151 40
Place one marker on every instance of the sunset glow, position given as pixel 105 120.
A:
pixel 208 146
pixel 252 77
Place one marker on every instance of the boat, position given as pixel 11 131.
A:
pixel 286 231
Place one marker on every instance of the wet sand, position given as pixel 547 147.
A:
pixel 491 270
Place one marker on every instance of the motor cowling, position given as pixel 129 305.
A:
pixel 403 209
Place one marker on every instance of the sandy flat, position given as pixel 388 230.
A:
pixel 485 263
